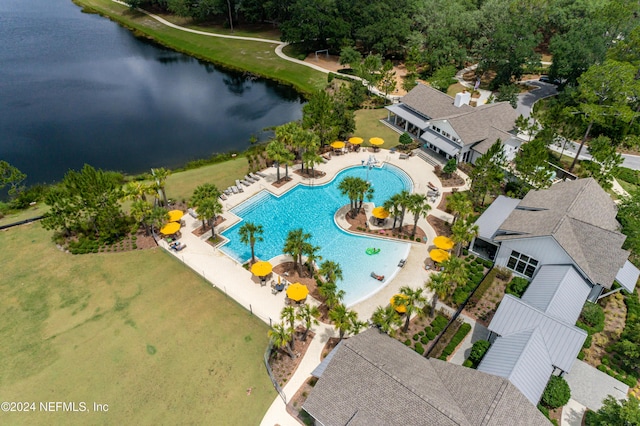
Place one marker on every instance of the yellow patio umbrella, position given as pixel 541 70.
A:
pixel 380 213
pixel 175 215
pixel 397 303
pixel 297 292
pixel 337 145
pixel 355 140
pixel 376 141
pixel 261 268
pixel 444 243
pixel 438 255
pixel 170 228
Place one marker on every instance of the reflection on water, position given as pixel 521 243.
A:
pixel 76 88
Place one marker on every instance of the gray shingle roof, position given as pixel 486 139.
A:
pixel 559 291
pixel 432 103
pixel 523 359
pixel 563 340
pixel 375 380
pixel 581 217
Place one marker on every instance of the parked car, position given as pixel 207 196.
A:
pixel 546 79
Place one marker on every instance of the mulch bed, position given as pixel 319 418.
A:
pixel 198 232
pixel 443 202
pixel 360 221
pixel 283 181
pixel 452 180
pixel 310 174
pixel 282 365
pixel 441 227
pixel 483 311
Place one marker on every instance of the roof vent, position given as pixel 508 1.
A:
pixel 462 98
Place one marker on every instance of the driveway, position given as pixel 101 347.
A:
pixel 526 100
pixel 590 386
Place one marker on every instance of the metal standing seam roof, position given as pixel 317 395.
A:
pixel 559 291
pixel 627 276
pixel 522 358
pixel 489 222
pixel 563 340
pixel 441 142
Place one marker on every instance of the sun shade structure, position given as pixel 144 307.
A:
pixel 438 255
pixel 355 140
pixel 170 228
pixel 337 145
pixel 261 269
pixel 380 213
pixel 297 292
pixel 396 302
pixel 175 215
pixel 376 141
pixel 444 243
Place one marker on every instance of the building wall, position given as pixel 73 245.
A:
pixel 545 250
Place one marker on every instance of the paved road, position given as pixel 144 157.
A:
pixel 526 100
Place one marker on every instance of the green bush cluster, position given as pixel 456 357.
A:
pixel 419 348
pixel 467 364
pixel 628 175
pixel 478 350
pixel 456 339
pixel 592 316
pixel 84 245
pixel 587 342
pixel 557 393
pixel 407 342
pixel 517 286
pixel 438 324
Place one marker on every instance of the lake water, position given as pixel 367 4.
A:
pixel 77 88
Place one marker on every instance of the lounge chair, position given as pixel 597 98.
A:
pixel 245 183
pixel 249 179
pixel 234 189
pixel 254 176
pixel 222 197
pixel 192 213
pixel 262 175
pixel 404 156
pixel 401 263
pixel 228 191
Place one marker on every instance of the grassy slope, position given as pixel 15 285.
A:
pixel 256 57
pixel 368 126
pixel 137 331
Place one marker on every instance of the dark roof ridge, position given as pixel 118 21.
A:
pixel 444 411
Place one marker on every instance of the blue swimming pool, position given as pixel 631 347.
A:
pixel 313 209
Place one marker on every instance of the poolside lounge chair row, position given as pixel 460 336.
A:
pixel 237 188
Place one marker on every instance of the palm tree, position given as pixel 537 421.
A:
pixel 386 319
pixel 139 211
pixel 282 338
pixel 392 205
pixel 343 319
pixel 460 205
pixel 309 316
pixel 295 245
pixel 136 190
pixel 209 209
pixel 440 286
pixel 331 271
pixel 404 199
pixel 311 253
pixel 332 296
pixel 455 271
pixel 156 218
pixel 418 205
pixel 288 314
pixel 204 191
pixel 356 189
pixel 413 302
pixel 250 233
pixel 463 232
pixel 278 152
pixel 160 176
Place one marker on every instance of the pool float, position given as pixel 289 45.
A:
pixel 372 250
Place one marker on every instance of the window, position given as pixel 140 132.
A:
pixel 522 264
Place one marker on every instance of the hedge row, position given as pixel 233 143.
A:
pixel 438 324
pixel 627 380
pixel 456 339
pixel 484 286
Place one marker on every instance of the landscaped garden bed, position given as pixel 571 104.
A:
pixel 284 366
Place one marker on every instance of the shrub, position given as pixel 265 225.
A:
pixel 587 342
pixel 478 350
pixel 543 410
pixel 456 339
pixel 416 337
pixel 484 286
pixel 602 368
pixel 418 240
pixel 424 340
pixel 430 335
pixel 557 393
pixel 503 273
pixel 459 296
pixel 593 315
pixel 438 324
pixel 517 286
pixel 407 342
pixel 467 363
pixel 465 252
pixel 581 355
pixel 591 418
pixel 604 360
pixel 419 348
pixel 630 381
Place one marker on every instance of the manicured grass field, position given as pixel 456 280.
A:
pixel 137 331
pixel 38 210
pixel 255 57
pixel 368 126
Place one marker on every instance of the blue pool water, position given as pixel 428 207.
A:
pixel 313 209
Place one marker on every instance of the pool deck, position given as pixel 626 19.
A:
pixel 230 277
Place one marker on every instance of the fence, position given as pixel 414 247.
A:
pixel 267 355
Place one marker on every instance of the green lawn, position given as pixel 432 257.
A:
pixel 137 331
pixel 255 57
pixel 35 211
pixel 368 125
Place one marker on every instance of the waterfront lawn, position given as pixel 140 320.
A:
pixel 137 331
pixel 181 185
pixel 18 215
pixel 368 125
pixel 255 57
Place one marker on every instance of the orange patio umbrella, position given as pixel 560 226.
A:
pixel 170 228
pixel 261 269
pixel 297 292
pixel 175 215
pixel 396 302
pixel 438 255
pixel 380 213
pixel 444 243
